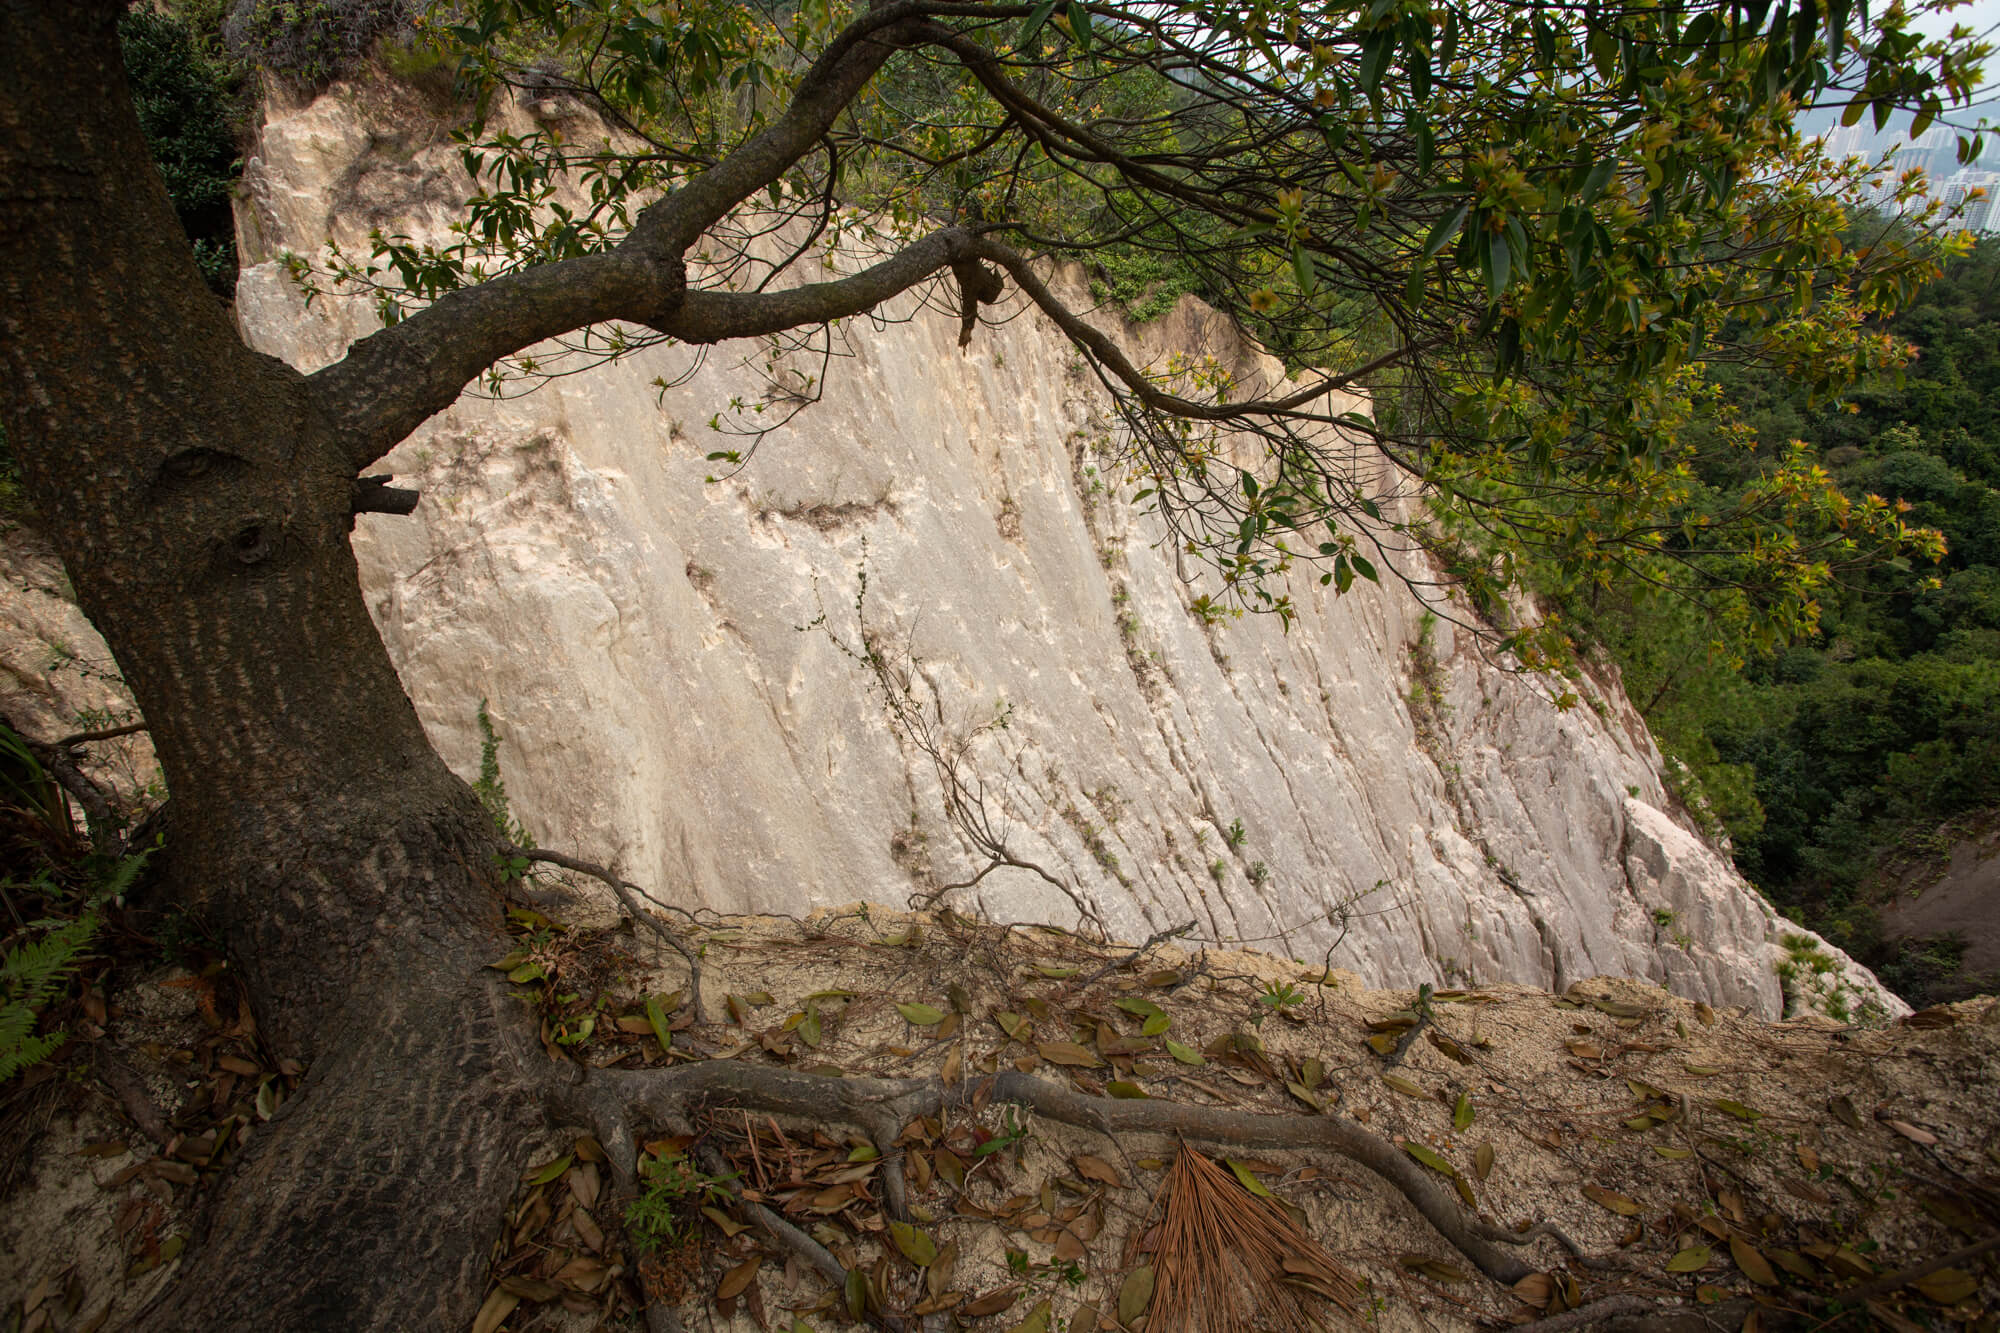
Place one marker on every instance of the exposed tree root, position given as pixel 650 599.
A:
pixel 1630 1313
pixel 1593 1315
pixel 878 1105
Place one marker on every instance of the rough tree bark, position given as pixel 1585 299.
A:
pixel 201 496
pixel 201 499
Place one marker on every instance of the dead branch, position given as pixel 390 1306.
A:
pixel 625 891
pixel 1137 952
pixel 107 734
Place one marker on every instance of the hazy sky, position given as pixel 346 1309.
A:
pixel 1982 16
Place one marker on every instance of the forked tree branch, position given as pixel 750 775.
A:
pixel 390 382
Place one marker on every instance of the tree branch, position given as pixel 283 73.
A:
pixel 1151 395
pixel 390 382
pixel 712 316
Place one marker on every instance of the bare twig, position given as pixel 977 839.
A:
pixel 106 734
pixel 1138 951
pixel 625 891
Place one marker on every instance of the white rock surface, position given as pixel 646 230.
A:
pixel 637 632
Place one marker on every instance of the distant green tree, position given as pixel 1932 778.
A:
pixel 186 100
pixel 1825 756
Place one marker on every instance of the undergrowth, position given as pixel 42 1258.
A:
pixel 55 891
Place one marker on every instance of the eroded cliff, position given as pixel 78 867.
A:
pixel 670 702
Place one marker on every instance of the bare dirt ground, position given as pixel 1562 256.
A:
pixel 1698 1158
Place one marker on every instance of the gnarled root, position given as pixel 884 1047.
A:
pixel 877 1105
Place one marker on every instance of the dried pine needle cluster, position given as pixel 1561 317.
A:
pixel 1230 1262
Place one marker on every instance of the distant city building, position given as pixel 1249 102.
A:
pixel 1936 151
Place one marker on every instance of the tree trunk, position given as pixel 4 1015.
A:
pixel 202 505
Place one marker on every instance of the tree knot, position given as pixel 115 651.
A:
pixel 977 285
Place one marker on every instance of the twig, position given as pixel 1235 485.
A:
pixel 105 734
pixel 1139 951
pixel 99 818
pixel 624 889
pixel 1404 1043
pixel 1902 1277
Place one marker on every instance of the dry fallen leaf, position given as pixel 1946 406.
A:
pixel 993 1302
pixel 1537 1289
pixel 1948 1286
pixel 1754 1265
pixel 495 1310
pixel 1691 1260
pixel 1135 1295
pixel 1621 1204
pixel 1068 1053
pixel 1911 1132
pixel 1096 1168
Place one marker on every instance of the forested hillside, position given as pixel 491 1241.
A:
pixel 1876 744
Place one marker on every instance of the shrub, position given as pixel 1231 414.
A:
pixel 310 43
pixel 186 100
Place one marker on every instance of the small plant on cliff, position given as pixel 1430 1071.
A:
pixel 310 43
pixel 491 789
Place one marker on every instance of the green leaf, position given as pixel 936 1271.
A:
pixel 548 1171
pixel 1462 1114
pixel 1499 268
pixel 1036 18
pixel 1187 1055
pixel 922 1015
pixel 1430 1159
pixel 656 1018
pixel 917 1247
pixel 1303 270
pixel 1079 24
pixel 1248 1178
pixel 1445 229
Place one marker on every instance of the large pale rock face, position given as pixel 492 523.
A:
pixel 659 653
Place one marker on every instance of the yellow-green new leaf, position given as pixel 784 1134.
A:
pixel 1430 1159
pixel 1135 1295
pixel 1691 1260
pixel 917 1247
pixel 1248 1179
